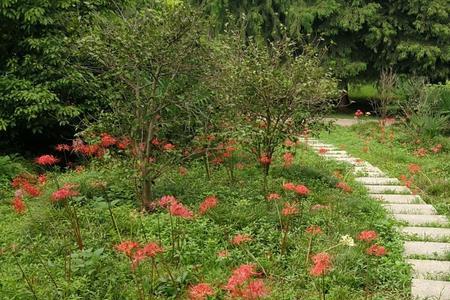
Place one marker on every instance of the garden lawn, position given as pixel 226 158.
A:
pixel 420 162
pixel 40 259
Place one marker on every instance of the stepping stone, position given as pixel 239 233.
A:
pixel 421 219
pixel 411 209
pixel 337 152
pixel 424 268
pixel 426 232
pixel 377 180
pixel 384 189
pixel 401 199
pixel 369 174
pixel 430 289
pixel 434 249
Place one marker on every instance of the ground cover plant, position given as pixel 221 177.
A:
pixel 421 162
pixel 305 239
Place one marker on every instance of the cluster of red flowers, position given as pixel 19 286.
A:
pixel 314 230
pixel 298 189
pixel 359 113
pixel 265 159
pixel 242 285
pixel 421 152
pixel 240 239
pixel 408 182
pixel 369 236
pixel 288 143
pixel 175 208
pixel 207 204
pixel 136 253
pixel 22 183
pixel 437 148
pixel 64 193
pixel 46 160
pixel 289 209
pixel 414 168
pixel 19 205
pixel 322 264
pixel 273 196
pixel 344 186
pixel 288 158
pixel 200 291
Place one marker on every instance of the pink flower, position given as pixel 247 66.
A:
pixel 288 159
pixel 30 189
pixel 207 204
pixel 273 196
pixel 265 159
pixel 123 143
pixel 241 239
pixel 289 209
pixel 343 186
pixel 414 168
pixel 301 190
pixel 376 250
pixel 62 147
pixel 179 210
pixel 239 276
pixel 314 230
pixel 322 264
pixel 165 201
pixel 46 160
pixel 359 114
pixel 367 235
pixel 127 247
pixel 289 186
pixel 107 140
pixel 200 291
pixel 19 205
pixel 64 193
pixel 168 147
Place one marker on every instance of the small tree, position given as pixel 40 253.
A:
pixel 273 91
pixel 150 55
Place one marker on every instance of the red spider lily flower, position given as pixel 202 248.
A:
pixel 148 251
pixel 179 210
pixel 168 147
pixel 437 148
pixel 301 190
pixel 414 168
pixel 226 154
pixel 166 201
pixel 155 141
pixel 223 254
pixel 239 239
pixel 42 179
pixel 322 264
pixel 46 160
pixel 359 113
pixel 207 204
pixel 256 289
pixel 314 230
pixel 19 205
pixel 127 247
pixel 182 171
pixel 265 159
pixel 323 150
pixel 288 143
pixel 239 276
pixel 273 196
pixel 289 209
pixel 30 189
pixel 230 149
pixel 376 250
pixel 288 158
pixel 319 207
pixel 86 150
pixel 289 186
pixel 343 186
pixel 107 140
pixel 200 291
pixel 17 182
pixel 62 147
pixel 421 152
pixel 63 193
pixel 240 166
pixel 367 235
pixel 123 143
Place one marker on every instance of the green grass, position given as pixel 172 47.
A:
pixel 41 243
pixel 396 152
pixel 363 91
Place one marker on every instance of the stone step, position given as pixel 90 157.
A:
pixel 426 232
pixel 400 199
pixel 424 268
pixel 337 152
pixel 422 289
pixel 421 219
pixel 369 174
pixel 368 168
pixel 377 180
pixel 384 189
pixel 411 209
pixel 431 249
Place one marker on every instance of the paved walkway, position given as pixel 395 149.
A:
pixel 424 231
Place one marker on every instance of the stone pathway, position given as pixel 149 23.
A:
pixel 426 234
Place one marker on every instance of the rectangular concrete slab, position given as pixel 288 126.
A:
pixel 386 189
pixel 415 220
pixel 394 198
pixel 429 249
pixel 411 209
pixel 426 269
pixel 377 180
pixel 422 289
pixel 433 233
